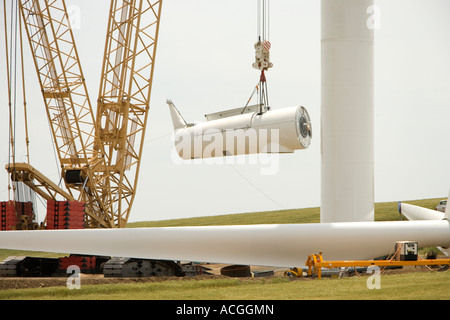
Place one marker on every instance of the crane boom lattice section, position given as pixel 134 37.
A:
pixel 61 78
pixel 100 156
pixel 124 99
pixel 65 96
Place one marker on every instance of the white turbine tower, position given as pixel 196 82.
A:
pixel 347 112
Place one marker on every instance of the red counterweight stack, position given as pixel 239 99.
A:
pixel 65 215
pixel 8 218
pixel 15 215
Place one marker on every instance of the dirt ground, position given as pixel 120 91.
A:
pixel 89 279
pixel 29 283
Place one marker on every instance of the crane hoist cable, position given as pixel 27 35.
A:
pixel 11 80
pixel 25 113
pixel 262 54
pixel 263 20
pixel 14 52
pixel 262 94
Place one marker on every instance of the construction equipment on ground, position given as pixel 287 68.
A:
pixel 315 263
pixel 110 267
pixel 99 152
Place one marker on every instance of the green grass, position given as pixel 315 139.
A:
pixel 388 211
pixel 408 286
pixel 308 215
pixel 384 211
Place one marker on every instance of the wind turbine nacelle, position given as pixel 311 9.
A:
pixel 242 132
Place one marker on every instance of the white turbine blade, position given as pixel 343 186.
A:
pixel 266 245
pixel 445 251
pixel 412 212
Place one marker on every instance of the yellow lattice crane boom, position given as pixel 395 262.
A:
pixel 99 152
pixel 124 99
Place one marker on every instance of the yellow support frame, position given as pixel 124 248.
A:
pixel 37 181
pixel 315 263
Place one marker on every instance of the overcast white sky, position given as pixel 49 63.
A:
pixel 204 60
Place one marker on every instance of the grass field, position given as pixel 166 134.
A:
pixel 384 211
pixel 407 286
pixel 423 285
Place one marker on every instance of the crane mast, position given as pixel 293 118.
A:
pixel 123 101
pixel 99 154
pixel 63 87
pixel 61 79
